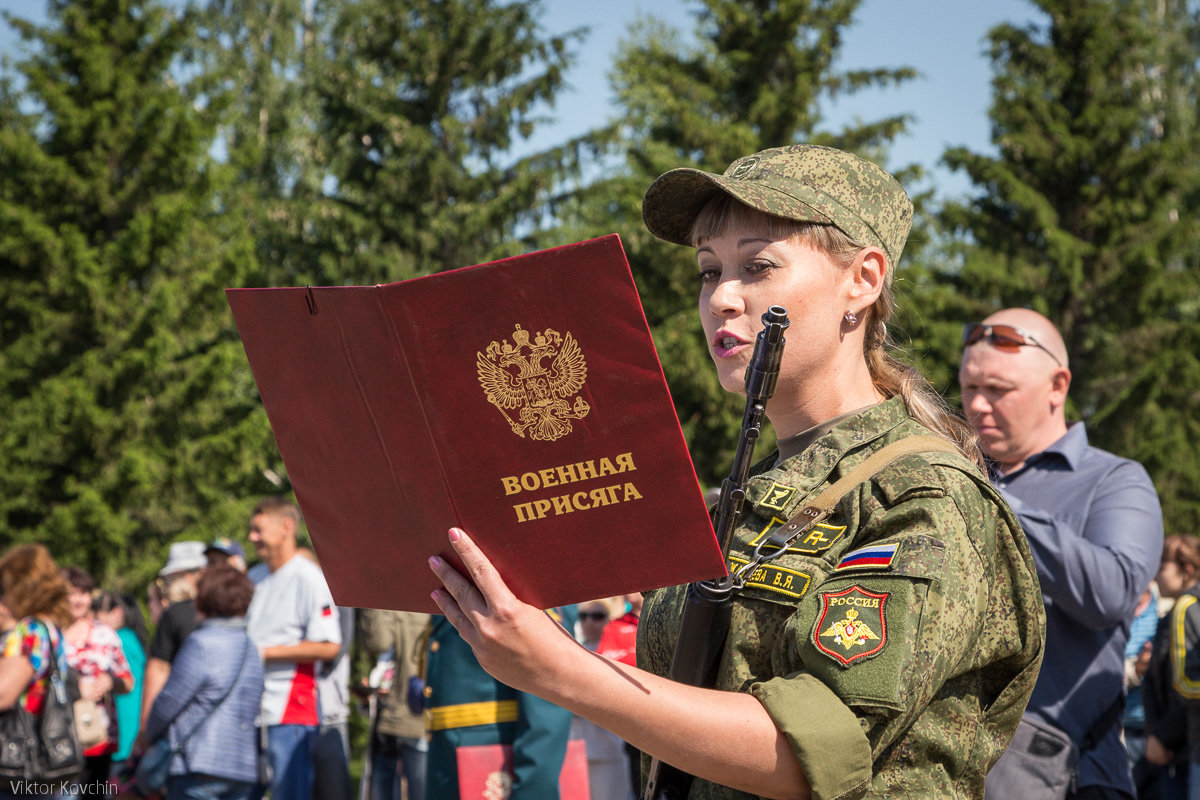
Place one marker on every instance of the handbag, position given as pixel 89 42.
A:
pixel 153 768
pixel 43 748
pixel 91 727
pixel 1041 762
pixel 1038 765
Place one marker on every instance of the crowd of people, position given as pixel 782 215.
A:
pixel 984 606
pixel 254 661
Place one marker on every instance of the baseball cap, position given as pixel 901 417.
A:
pixel 802 182
pixel 223 544
pixel 184 556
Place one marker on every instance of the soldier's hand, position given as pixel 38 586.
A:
pixel 518 644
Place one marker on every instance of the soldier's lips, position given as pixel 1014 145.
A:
pixel 725 344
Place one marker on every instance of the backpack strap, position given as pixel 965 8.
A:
pixel 55 680
pixel 242 668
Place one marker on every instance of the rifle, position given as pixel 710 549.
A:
pixel 706 609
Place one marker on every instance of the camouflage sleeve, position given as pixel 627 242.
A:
pixel 828 740
pixel 898 614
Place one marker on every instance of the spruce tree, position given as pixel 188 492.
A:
pixel 1089 213
pixel 420 108
pixel 256 63
pixel 125 425
pixel 755 76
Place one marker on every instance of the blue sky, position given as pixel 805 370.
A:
pixel 942 39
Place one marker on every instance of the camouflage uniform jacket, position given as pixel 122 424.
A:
pixel 896 644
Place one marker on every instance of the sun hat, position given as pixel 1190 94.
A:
pixel 803 182
pixel 183 557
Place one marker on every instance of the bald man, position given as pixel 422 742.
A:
pixel 1095 529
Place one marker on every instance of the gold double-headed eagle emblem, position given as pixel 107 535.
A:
pixel 850 632
pixel 538 376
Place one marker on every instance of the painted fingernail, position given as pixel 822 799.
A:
pixel 435 594
pixel 455 534
pixel 435 562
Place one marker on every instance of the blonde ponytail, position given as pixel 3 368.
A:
pixel 892 377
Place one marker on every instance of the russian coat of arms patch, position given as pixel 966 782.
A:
pixel 851 625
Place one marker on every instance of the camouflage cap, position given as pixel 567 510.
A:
pixel 803 182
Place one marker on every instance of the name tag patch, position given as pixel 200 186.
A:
pixel 782 580
pixel 851 626
pixel 873 557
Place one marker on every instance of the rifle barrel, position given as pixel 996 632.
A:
pixel 707 606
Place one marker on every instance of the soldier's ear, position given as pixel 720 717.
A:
pixel 868 274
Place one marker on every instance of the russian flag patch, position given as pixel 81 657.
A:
pixel 326 611
pixel 878 556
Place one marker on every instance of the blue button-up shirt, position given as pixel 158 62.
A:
pixel 1095 528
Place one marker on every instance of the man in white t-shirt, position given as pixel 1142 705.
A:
pixel 331 753
pixel 293 622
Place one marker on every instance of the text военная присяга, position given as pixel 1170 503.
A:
pixel 567 474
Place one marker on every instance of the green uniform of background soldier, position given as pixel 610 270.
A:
pixel 890 651
pixel 537 730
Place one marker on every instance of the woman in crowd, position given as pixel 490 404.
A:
pixel 899 658
pixel 94 651
pixel 619 642
pixel 120 612
pixel 7 621
pixel 607 761
pixel 211 699
pixel 1138 653
pixel 156 604
pixel 33 598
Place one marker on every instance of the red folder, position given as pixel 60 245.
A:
pixel 485 772
pixel 521 400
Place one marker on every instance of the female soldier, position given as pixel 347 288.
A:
pixel 889 653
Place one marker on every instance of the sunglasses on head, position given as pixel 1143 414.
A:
pixel 1002 337
pixel 599 616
